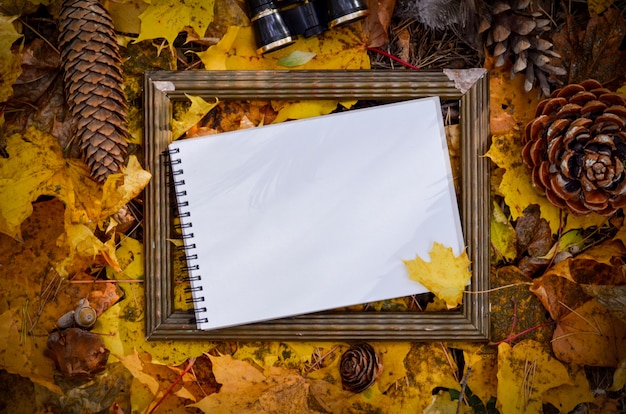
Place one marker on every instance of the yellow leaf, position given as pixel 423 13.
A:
pixel 125 15
pixel 429 367
pixel 525 373
pixel 619 377
pixel 36 167
pixel 33 160
pixel 445 275
pixel 518 191
pixel 303 109
pixel 341 48
pixel 22 354
pixel 10 63
pixel 392 355
pixel 130 258
pixel 442 403
pixel 185 393
pixel 503 236
pixel 199 108
pixel 122 330
pixel 235 375
pixel 264 354
pixel 246 389
pixel 598 6
pixel 120 188
pixel 135 365
pixel 511 108
pixel 516 184
pixel 165 19
pixel 567 396
pixel 482 377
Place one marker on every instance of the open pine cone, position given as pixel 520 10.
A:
pixel 359 367
pixel 576 148
pixel 516 32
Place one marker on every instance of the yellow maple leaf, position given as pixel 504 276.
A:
pixel 445 275
pixel 165 18
pixel 10 67
pixel 36 167
pixel 518 191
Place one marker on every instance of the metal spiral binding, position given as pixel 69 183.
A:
pixel 178 205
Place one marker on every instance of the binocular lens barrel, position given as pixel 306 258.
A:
pixel 277 23
pixel 343 12
pixel 270 30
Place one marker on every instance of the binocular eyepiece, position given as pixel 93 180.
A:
pixel 276 24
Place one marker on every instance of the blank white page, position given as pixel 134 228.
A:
pixel 315 214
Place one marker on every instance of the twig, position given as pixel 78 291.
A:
pixel 42 37
pixel 499 288
pixel 319 359
pixel 46 295
pixel 169 390
pixel 106 281
pixel 463 387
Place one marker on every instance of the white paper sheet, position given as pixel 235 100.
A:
pixel 316 214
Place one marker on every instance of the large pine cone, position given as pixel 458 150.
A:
pixel 359 367
pixel 576 147
pixel 93 84
pixel 517 32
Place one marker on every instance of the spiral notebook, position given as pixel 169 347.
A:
pixel 313 214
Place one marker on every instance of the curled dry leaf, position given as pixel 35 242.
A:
pixel 76 352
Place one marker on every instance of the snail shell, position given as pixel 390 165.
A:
pixel 84 316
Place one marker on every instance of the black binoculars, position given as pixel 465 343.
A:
pixel 277 23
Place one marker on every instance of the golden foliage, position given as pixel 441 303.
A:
pixel 10 68
pixel 445 275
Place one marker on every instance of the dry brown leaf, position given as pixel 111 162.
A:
pixel 592 52
pixel 589 335
pixel 76 352
pixel 377 22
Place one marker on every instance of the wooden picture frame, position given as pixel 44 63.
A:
pixel 470 87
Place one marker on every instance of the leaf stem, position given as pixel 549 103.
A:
pixel 180 377
pixel 392 57
pixel 524 332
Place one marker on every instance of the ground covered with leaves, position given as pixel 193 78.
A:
pixel 558 299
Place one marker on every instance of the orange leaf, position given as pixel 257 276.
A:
pixel 589 335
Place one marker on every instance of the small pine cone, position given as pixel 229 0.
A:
pixel 516 32
pixel 359 367
pixel 94 85
pixel 576 148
